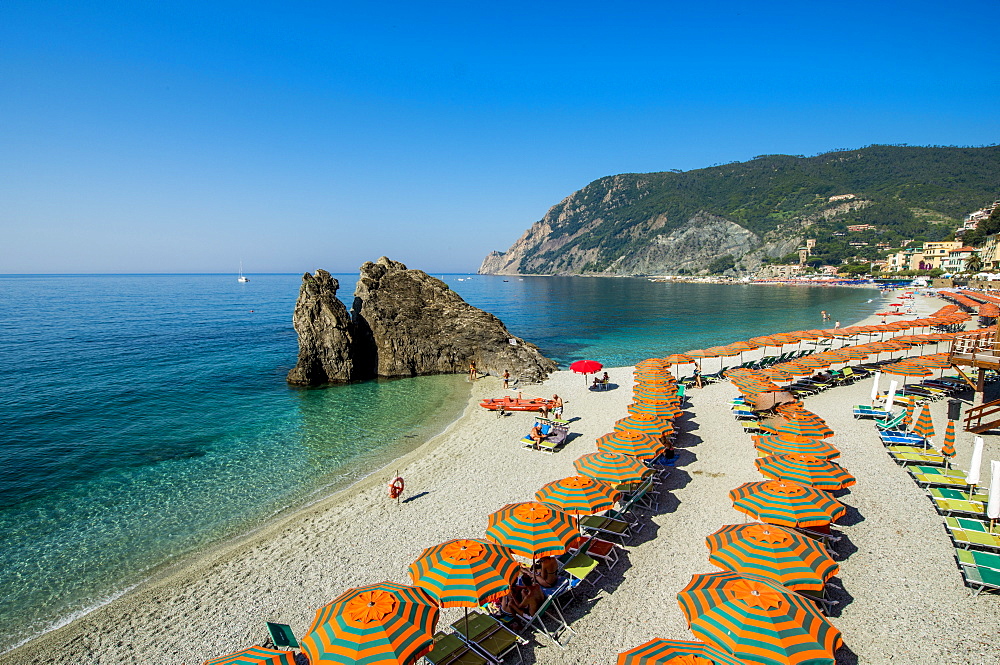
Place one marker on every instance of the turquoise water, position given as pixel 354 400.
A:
pixel 146 416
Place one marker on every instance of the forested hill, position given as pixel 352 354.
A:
pixel 761 210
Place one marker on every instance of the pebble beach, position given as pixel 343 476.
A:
pixel 902 599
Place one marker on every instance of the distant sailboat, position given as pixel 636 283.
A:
pixel 241 278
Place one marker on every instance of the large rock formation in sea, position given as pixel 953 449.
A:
pixel 403 323
pixel 732 218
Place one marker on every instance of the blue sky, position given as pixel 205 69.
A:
pixel 183 137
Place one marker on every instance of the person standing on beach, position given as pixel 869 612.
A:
pixel 697 374
pixel 557 407
pixel 473 373
pixel 506 379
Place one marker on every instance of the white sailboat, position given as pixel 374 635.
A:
pixel 241 278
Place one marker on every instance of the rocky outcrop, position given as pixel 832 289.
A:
pixel 406 323
pixel 325 333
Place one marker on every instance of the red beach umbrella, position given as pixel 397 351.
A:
pixel 586 367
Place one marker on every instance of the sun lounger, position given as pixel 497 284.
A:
pixel 862 411
pixel 909 457
pixel 550 609
pixel 980 578
pixel 580 566
pixel 281 635
pixel 489 636
pixel 892 424
pixel 951 507
pixel 978 558
pixel 948 493
pixel 607 526
pixel 965 539
pixel 926 480
pixel 555 436
pixel 449 649
pixel 954 473
pixel 602 550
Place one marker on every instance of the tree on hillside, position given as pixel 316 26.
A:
pixel 977 236
pixel 973 264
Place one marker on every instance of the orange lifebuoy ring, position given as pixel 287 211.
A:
pixel 396 487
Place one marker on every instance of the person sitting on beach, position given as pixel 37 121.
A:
pixel 524 599
pixel 605 379
pixel 557 407
pixel 596 384
pixel 546 572
pixel 535 434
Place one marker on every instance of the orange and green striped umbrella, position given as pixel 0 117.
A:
pixel 798 562
pixel 611 468
pixel 579 494
pixel 652 363
pixel 854 352
pixel 385 623
pixel 906 369
pixel 786 504
pixel 635 444
pixel 796 427
pixel 255 656
pixel 678 359
pixel 924 425
pixel 948 447
pixel 908 416
pixel 662 409
pixel 795 369
pixel 532 529
pixel 676 652
pixel 654 393
pixel 647 423
pixel 465 572
pixel 758 620
pixel 806 469
pixel 782 444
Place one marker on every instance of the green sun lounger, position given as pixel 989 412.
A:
pixel 969 524
pixel 607 526
pixel 948 493
pixel 550 609
pixel 917 458
pixel 965 539
pixel 449 649
pixel 487 635
pixel 927 480
pixel 980 578
pixel 953 473
pixel 978 558
pixel 948 507
pixel 892 423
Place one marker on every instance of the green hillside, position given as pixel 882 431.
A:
pixel 918 193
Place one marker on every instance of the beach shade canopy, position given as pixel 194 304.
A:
pixel 678 359
pixel 924 426
pixel 465 572
pixel 783 444
pixel 853 352
pixel 532 529
pixel 579 494
pixel 758 620
pixel 611 468
pixel 771 398
pixel 806 469
pixel 647 423
pixel 930 362
pixel 948 446
pixel 796 427
pixel 666 410
pixel 786 504
pixel 636 444
pixel 783 555
pixel 255 656
pixel 675 652
pixel 586 367
pixel 906 369
pixel 378 624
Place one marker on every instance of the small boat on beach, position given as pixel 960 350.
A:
pixel 516 404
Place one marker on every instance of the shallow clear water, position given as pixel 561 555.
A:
pixel 146 416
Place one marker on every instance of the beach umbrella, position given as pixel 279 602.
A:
pixel 784 555
pixel 906 369
pixel 806 469
pixel 646 423
pixel 974 465
pixel 662 409
pixel 635 444
pixel 758 620
pixel 579 494
pixel 786 504
pixel 675 652
pixel 532 529
pixel 611 468
pixel 797 427
pixel 924 426
pixel 908 416
pixel 948 446
pixel 377 623
pixel 255 656
pixel 586 367
pixel 796 369
pixel 782 444
pixel 464 572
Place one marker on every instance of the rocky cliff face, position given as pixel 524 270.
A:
pixel 325 333
pixel 405 323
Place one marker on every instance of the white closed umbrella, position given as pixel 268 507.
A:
pixel 878 375
pixel 977 461
pixel 891 395
pixel 993 507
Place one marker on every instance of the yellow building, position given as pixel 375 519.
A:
pixel 936 253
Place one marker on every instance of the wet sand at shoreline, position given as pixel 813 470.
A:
pixel 903 595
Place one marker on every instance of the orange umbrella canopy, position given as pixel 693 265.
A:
pixel 676 652
pixel 647 423
pixel 579 494
pixel 255 656
pixel 784 555
pixel 465 572
pixel 924 425
pixel 758 620
pixel 948 446
pixel 636 444
pixel 780 444
pixel 786 504
pixel 532 529
pixel 806 469
pixel 379 623
pixel 797 427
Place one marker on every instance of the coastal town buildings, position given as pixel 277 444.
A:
pixel 972 220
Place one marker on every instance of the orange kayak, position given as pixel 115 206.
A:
pixel 515 404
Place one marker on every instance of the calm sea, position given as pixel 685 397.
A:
pixel 143 417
